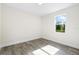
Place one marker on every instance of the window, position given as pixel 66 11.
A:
pixel 60 23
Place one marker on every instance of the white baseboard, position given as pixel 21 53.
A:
pixel 61 43
pixel 12 42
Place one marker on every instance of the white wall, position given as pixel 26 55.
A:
pixel 71 35
pixel 0 23
pixel 19 26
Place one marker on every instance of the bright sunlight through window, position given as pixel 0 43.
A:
pixel 46 50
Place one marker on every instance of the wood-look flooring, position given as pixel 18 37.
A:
pixel 27 48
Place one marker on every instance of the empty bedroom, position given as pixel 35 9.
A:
pixel 39 29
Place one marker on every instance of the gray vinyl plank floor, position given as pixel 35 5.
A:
pixel 39 47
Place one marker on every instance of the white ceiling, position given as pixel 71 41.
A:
pixel 40 10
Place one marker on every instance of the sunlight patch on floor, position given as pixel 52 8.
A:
pixel 46 50
pixel 50 49
pixel 39 52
